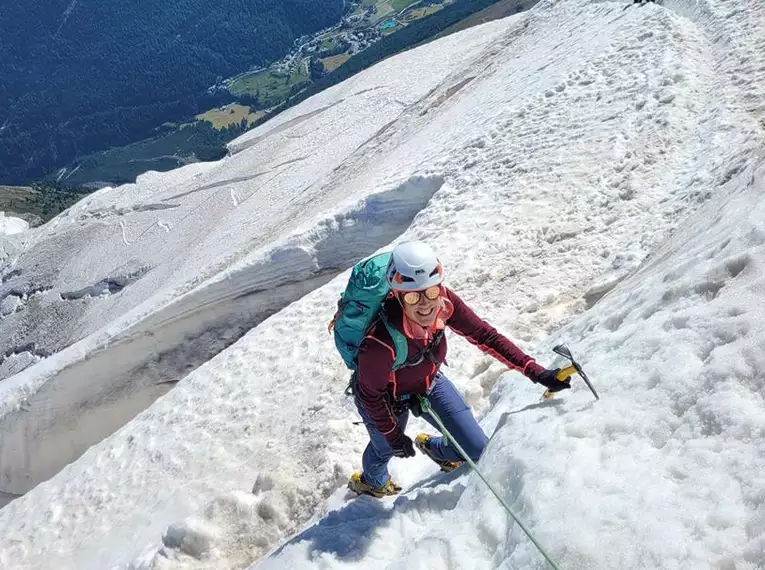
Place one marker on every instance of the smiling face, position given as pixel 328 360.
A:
pixel 424 312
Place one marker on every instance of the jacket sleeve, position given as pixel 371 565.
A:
pixel 480 333
pixel 375 371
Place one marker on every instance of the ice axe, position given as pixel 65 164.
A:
pixel 574 367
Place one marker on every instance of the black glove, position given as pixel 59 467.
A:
pixel 401 444
pixel 548 380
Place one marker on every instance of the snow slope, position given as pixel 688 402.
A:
pixel 10 225
pixel 551 152
pixel 129 290
pixel 665 471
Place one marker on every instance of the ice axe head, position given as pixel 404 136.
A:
pixel 563 350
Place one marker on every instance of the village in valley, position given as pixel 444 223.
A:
pixel 314 62
pixel 312 57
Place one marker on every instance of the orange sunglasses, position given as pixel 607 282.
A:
pixel 413 297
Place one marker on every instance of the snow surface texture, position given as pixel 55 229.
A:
pixel 593 173
pixel 9 225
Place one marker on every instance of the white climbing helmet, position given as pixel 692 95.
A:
pixel 414 267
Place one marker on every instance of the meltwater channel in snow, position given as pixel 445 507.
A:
pixel 589 172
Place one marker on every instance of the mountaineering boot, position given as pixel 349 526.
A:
pixel 360 487
pixel 422 442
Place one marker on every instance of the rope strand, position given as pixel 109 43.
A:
pixel 426 408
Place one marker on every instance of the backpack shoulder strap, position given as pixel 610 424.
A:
pixel 400 344
pixel 427 352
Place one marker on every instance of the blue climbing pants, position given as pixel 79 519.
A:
pixel 456 416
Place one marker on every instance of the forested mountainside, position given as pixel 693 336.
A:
pixel 82 75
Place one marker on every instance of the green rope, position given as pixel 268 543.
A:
pixel 427 409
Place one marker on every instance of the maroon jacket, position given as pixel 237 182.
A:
pixel 376 378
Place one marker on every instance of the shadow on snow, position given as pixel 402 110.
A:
pixel 348 531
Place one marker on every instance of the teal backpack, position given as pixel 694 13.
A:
pixel 360 306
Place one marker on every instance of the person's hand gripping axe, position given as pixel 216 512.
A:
pixel 558 379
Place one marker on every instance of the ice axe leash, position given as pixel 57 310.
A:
pixel 573 368
pixel 427 409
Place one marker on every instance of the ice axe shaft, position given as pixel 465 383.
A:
pixel 574 367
